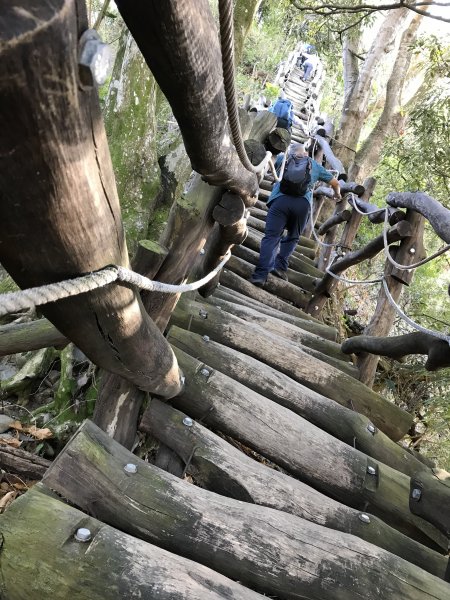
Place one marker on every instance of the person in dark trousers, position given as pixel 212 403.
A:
pixel 290 213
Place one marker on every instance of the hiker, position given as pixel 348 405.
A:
pixel 309 65
pixel 289 208
pixel 284 111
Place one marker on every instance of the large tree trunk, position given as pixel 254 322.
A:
pixel 181 69
pixel 368 156
pixel 239 540
pixel 219 467
pixel 354 110
pixel 244 13
pixel 41 559
pixel 60 214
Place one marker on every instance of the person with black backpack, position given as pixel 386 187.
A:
pixel 283 109
pixel 289 208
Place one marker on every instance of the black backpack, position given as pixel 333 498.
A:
pixel 296 176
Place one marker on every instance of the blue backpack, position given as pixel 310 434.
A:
pixel 296 177
pixel 283 110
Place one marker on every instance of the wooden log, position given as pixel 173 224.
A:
pixel 64 218
pixel 396 233
pixel 431 209
pixel 201 116
pixel 278 140
pixel 265 184
pixel 276 352
pixel 230 229
pixel 351 186
pixel 299 447
pixel 324 191
pixel 149 257
pixel 111 566
pixel 235 281
pixel 334 220
pixel 314 326
pixel 397 347
pixel 263 123
pixel 341 422
pixel 258 213
pixel 378 216
pixel 255 223
pixel 237 539
pixel 260 205
pixel 288 331
pixel 255 150
pixel 274 285
pixel 23 463
pixel 333 162
pixel 301 280
pixel 23 337
pixel 219 467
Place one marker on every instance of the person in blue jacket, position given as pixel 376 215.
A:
pixel 290 213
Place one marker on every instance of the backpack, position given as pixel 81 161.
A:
pixel 282 109
pixel 296 176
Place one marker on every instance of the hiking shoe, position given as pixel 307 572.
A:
pixel 258 281
pixel 280 274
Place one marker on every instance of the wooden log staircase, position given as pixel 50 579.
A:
pixel 290 481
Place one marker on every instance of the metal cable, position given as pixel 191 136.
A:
pixel 227 47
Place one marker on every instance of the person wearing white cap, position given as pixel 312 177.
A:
pixel 289 208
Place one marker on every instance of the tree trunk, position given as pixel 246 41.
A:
pixel 40 556
pixel 219 467
pixel 273 350
pixel 64 217
pixel 235 538
pixel 354 110
pixel 244 13
pixel 194 61
pixel 368 156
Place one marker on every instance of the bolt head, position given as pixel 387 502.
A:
pixel 205 338
pixel 416 494
pixel 371 470
pixel 202 251
pixel 203 314
pixel 371 428
pixel 83 535
pixel 188 421
pixel 130 468
pixel 95 59
pixel 182 380
pixel 364 517
pixel 412 250
pixel 205 372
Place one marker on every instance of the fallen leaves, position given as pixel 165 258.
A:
pixel 36 432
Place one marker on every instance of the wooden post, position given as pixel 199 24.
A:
pixel 238 539
pixel 59 211
pixel 383 317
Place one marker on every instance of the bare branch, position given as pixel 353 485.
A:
pixel 326 10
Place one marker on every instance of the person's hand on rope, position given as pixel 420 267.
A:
pixel 336 189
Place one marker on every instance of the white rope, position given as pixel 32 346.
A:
pixel 436 334
pixel 37 296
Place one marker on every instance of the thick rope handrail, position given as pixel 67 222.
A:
pixel 227 47
pixel 37 296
